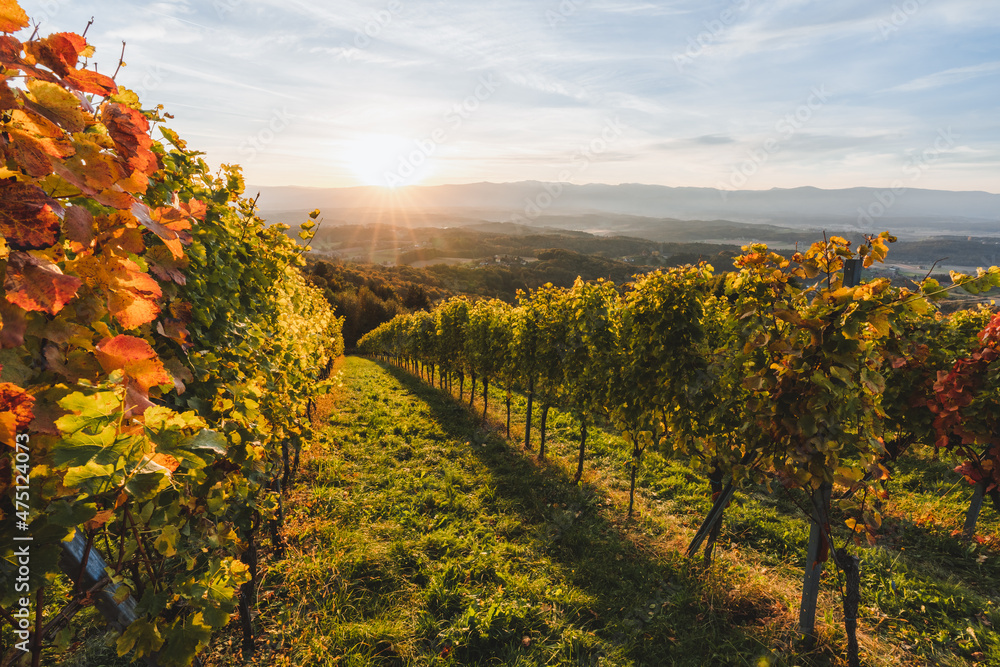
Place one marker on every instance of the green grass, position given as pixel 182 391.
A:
pixel 419 536
pixel 425 539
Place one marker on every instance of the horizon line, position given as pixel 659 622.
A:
pixel 404 188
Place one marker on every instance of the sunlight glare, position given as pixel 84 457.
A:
pixel 386 160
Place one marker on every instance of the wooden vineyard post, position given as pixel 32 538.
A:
pixel 851 566
pixel 818 548
pixel 94 580
pixel 75 553
pixel 712 521
pixel 975 507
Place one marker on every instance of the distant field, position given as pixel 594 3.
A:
pixel 448 261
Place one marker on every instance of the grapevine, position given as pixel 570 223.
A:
pixel 159 350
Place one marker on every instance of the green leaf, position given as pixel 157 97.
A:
pixel 932 289
pixel 141 635
pixel 63 638
pixel 217 617
pixel 102 404
pixel 211 440
pixel 69 514
pixel 82 440
pixel 144 485
pixel 841 374
pixel 91 472
pixel 184 640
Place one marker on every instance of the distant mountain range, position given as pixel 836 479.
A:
pixel 649 211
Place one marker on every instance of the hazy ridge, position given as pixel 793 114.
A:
pixel 649 211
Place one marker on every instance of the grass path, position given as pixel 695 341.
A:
pixel 419 537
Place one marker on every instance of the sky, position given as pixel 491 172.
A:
pixel 733 94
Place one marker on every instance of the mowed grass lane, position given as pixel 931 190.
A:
pixel 419 538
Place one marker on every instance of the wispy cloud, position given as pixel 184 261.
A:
pixel 356 70
pixel 948 77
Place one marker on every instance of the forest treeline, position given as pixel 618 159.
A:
pixel 486 240
pixel 493 239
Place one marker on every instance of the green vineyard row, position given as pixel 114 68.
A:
pixel 780 375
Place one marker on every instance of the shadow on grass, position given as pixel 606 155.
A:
pixel 652 604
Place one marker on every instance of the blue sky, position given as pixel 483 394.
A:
pixel 736 94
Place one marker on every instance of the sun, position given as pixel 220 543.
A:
pixel 386 160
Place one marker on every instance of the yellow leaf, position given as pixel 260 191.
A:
pixel 60 103
pixel 880 323
pixel 167 541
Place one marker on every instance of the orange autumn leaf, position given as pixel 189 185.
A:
pixel 27 216
pixel 131 310
pixel 99 520
pixel 90 168
pixel 129 240
pixel 17 401
pixel 89 81
pixel 133 300
pixel 131 293
pixel 128 128
pixel 128 276
pixel 167 461
pixel 10 57
pixel 172 218
pixel 32 140
pixel 37 125
pixel 8 433
pixel 12 17
pixel 135 183
pixel 16 411
pixel 8 100
pixel 166 222
pixel 59 52
pixel 165 264
pixel 136 358
pixel 38 284
pixel 115 197
pixel 26 152
pixel 194 208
